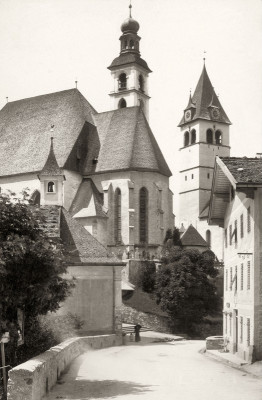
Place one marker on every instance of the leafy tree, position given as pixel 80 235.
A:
pixel 31 264
pixel 183 287
pixel 172 238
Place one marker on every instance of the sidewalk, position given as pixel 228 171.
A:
pixel 236 362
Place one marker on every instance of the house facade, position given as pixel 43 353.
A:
pixel 235 206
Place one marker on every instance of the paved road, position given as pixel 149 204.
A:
pixel 151 371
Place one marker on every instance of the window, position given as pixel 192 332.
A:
pixel 248 275
pixel 241 225
pixel 185 178
pixel 230 325
pixel 35 198
pixel 143 215
pixel 241 330
pixel 225 323
pixel 192 176
pixel 242 277
pixel 218 137
pixel 186 139
pixel 248 331
pixel 208 237
pixel 122 82
pixel 208 175
pixel 122 103
pixel 235 278
pixel 141 83
pixel 235 232
pixel 209 136
pixel 226 238
pixel 226 279
pixel 118 216
pixel 193 136
pixel 231 278
pixel 132 44
pixel 230 235
pixel 50 187
pixel 248 219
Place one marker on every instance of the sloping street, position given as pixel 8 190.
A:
pixel 173 370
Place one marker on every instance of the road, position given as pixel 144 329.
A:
pixel 154 371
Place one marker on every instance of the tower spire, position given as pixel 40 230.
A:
pixel 130 9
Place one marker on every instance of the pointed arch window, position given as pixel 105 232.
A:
pixel 218 137
pixel 122 103
pixel 35 198
pixel 118 237
pixel 51 187
pixel 186 139
pixel 143 215
pixel 122 81
pixel 208 237
pixel 209 136
pixel 193 136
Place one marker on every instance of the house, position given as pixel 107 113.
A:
pixel 235 206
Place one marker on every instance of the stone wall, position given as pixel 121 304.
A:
pixel 151 321
pixel 33 379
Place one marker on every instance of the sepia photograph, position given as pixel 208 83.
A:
pixel 130 199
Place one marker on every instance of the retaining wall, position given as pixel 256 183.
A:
pixel 33 379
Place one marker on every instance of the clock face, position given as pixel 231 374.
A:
pixel 187 115
pixel 215 113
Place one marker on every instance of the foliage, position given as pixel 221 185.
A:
pixel 183 288
pixel 146 276
pixel 172 238
pixel 31 264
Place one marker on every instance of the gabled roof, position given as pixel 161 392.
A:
pixel 203 98
pixel 88 201
pixel 127 143
pixel 51 167
pixel 244 170
pixel 192 237
pixel 129 58
pixel 25 130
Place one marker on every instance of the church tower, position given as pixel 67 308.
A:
pixel 129 71
pixel 204 135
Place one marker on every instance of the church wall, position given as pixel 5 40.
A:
pixel 17 183
pixel 71 185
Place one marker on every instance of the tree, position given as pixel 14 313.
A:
pixel 31 264
pixel 172 238
pixel 183 288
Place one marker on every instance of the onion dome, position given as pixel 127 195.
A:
pixel 130 25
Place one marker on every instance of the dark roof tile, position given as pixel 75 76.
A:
pixel 244 170
pixel 192 237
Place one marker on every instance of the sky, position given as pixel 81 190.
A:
pixel 45 45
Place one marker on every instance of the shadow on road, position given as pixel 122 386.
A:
pixel 82 389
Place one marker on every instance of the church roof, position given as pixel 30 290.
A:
pixel 203 98
pixel 129 58
pixel 88 201
pixel 192 237
pixel 127 143
pixel 25 130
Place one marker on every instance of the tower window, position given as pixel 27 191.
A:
pixel 209 136
pixel 118 215
pixel 122 103
pixel 192 176
pixel 50 187
pixel 185 178
pixel 193 136
pixel 186 139
pixel 122 82
pixel 143 215
pixel 208 175
pixel 208 237
pixel 132 44
pixel 141 83
pixel 218 137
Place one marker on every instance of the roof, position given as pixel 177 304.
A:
pixel 205 211
pixel 88 201
pixel 244 170
pixel 129 58
pixel 51 167
pixel 203 98
pixel 25 129
pixel 192 237
pixel 127 143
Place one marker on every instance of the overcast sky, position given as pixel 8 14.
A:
pixel 46 44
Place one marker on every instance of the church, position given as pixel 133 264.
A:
pixel 107 171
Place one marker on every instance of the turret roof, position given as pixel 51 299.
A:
pixel 51 168
pixel 129 58
pixel 192 237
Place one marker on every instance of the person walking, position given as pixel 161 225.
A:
pixel 137 332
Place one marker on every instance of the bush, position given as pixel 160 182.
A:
pixel 146 276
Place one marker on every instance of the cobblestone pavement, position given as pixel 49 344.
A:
pixel 155 371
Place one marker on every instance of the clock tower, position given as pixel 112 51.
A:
pixel 129 71
pixel 204 135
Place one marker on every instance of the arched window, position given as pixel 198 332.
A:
pixel 122 81
pixel 193 136
pixel 122 103
pixel 186 139
pixel 143 215
pixel 50 187
pixel 132 44
pixel 209 136
pixel 35 198
pixel 141 83
pixel 118 238
pixel 208 237
pixel 218 137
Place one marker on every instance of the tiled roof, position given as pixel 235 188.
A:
pixel 205 96
pixel 244 170
pixel 129 58
pixel 88 201
pixel 51 167
pixel 25 129
pixel 127 142
pixel 192 237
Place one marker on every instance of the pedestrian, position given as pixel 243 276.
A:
pixel 137 332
